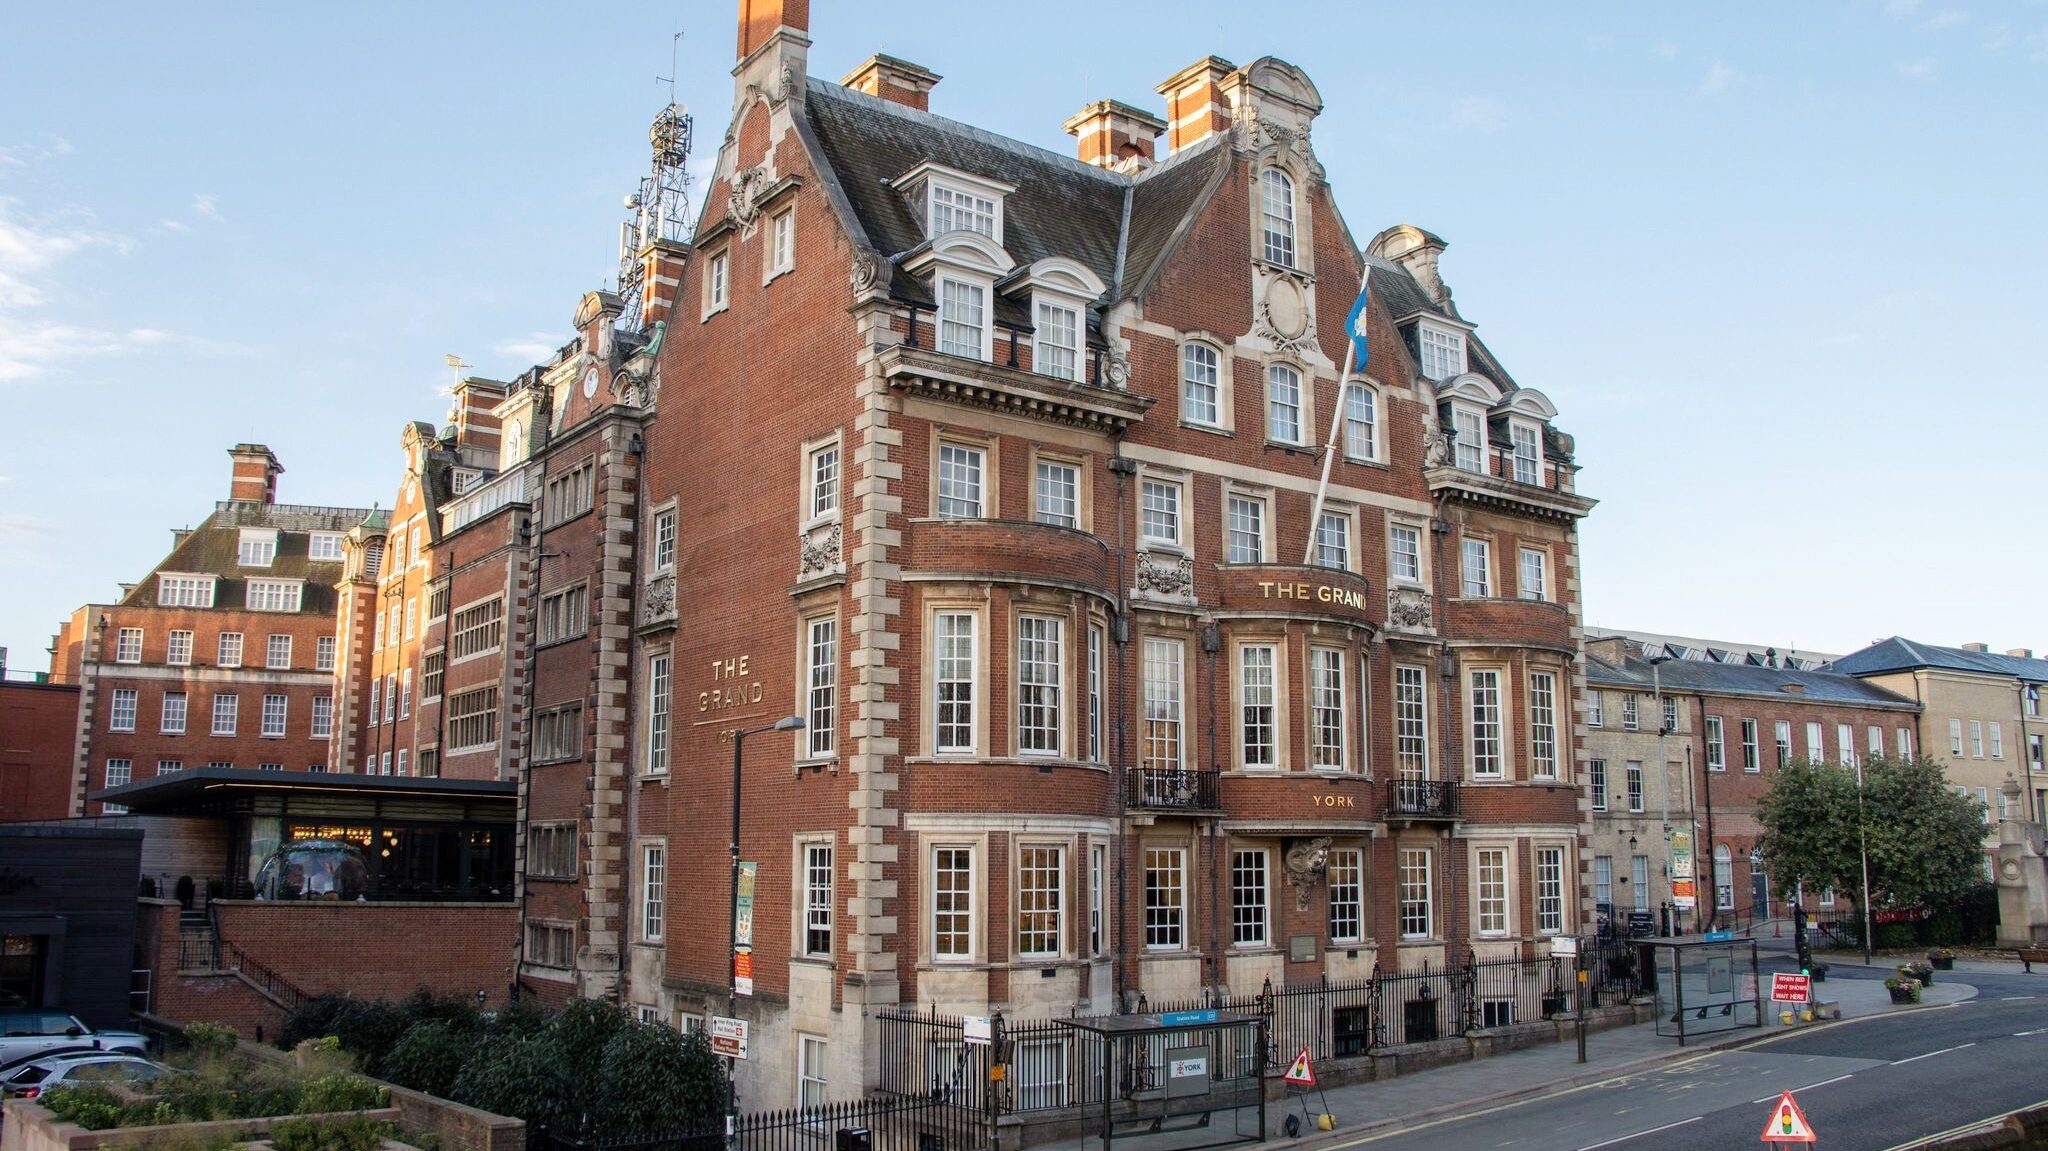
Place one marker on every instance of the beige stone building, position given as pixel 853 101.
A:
pixel 1981 715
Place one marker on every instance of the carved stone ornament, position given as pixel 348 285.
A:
pixel 867 271
pixel 1306 862
pixel 1171 576
pixel 659 602
pixel 1283 317
pixel 1436 449
pixel 819 554
pixel 1116 366
pixel 744 204
pixel 1410 609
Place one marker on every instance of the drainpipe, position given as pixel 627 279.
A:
pixel 1120 634
pixel 1707 802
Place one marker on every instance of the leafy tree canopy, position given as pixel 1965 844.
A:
pixel 1926 842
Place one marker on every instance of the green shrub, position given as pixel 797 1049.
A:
pixel 212 1040
pixel 651 1078
pixel 311 1020
pixel 459 1012
pixel 430 1057
pixel 265 1091
pixel 370 1028
pixel 93 1107
pixel 197 1097
pixel 522 1076
pixel 340 1091
pixel 356 1133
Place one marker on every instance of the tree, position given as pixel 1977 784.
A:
pixel 1926 843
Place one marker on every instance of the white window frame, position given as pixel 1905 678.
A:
pixel 781 244
pixel 1329 725
pixel 274 595
pixel 1596 783
pixel 965 206
pixel 1333 540
pixel 963 325
pixel 323 717
pixel 1277 210
pixel 1347 895
pixel 1543 755
pixel 1415 892
pixel 1486 732
pixel 1442 351
pixel 1197 376
pixel 1490 891
pixel 1361 398
pixel 1041 672
pixel 1475 555
pixel 1097 642
pixel 966 505
pixel 276 714
pixel 1259 722
pixel 1041 908
pixel 813 1070
pixel 1468 438
pixel 1166 921
pixel 1163 738
pixel 1596 707
pixel 324 547
pixel 660 666
pixel 1551 888
pixel 1168 490
pixel 1781 734
pixel 1286 402
pixel 653 891
pixel 1048 478
pixel 121 711
pixel 717 282
pixel 961 903
pixel 824 478
pixel 1251 897
pixel 1533 574
pixel 256 548
pixel 1054 317
pixel 178 648
pixel 1245 519
pixel 128 645
pixel 1752 750
pixel 227 713
pixel 961 671
pixel 277 656
pixel 179 589
pixel 819 875
pixel 1411 720
pixel 1633 786
pixel 1409 573
pixel 1716 744
pixel 1528 451
pixel 821 687
pixel 171 720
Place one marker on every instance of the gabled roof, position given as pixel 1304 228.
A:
pixel 1901 654
pixel 1703 677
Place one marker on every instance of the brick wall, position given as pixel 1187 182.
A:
pixel 38 725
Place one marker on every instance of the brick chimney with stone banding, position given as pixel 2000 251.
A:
pixel 1113 134
pixel 1195 105
pixel 897 81
pixel 253 479
pixel 761 19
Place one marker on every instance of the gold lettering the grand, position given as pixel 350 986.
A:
pixel 732 685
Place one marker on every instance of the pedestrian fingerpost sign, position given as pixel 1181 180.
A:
pixel 1791 988
pixel 728 1037
pixel 1788 1123
pixel 1299 1073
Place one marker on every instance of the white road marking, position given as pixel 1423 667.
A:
pixel 2035 1031
pixel 1810 1086
pixel 1639 1134
pixel 1932 1054
pixel 2015 998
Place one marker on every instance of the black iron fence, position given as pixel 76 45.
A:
pixel 1050 1065
pixel 874 1124
pixel 1429 798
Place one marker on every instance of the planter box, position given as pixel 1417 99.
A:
pixel 32 1128
pixel 1943 964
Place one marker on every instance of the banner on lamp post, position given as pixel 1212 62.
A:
pixel 1684 894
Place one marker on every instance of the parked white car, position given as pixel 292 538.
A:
pixel 27 1034
pixel 32 1080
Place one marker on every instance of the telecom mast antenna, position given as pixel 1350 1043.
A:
pixel 660 208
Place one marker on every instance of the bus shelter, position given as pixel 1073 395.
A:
pixel 1180 1071
pixel 1705 985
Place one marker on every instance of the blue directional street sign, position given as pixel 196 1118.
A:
pixel 1187 1018
pixel 1720 936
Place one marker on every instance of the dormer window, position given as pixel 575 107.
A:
pixel 1528 453
pixel 1470 443
pixel 1443 353
pixel 1056 347
pixel 258 548
pixel 957 209
pixel 963 318
pixel 1276 214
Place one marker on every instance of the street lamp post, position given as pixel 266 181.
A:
pixel 1664 783
pixel 732 934
pixel 1863 849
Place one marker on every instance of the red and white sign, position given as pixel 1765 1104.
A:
pixel 1788 1123
pixel 1299 1072
pixel 1791 988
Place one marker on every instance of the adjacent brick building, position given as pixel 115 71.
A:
pixel 1141 648
pixel 38 732
pixel 223 654
pixel 1723 719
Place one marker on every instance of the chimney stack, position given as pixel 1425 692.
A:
pixel 2020 652
pixel 1980 648
pixel 1195 105
pixel 1113 134
pixel 760 20
pixel 253 479
pixel 897 81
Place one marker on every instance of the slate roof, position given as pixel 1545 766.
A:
pixel 1900 654
pixel 213 548
pixel 1701 677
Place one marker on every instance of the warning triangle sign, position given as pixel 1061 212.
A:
pixel 1788 1123
pixel 1299 1072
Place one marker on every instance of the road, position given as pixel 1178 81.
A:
pixel 1864 1085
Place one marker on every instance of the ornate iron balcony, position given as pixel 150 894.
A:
pixel 1171 789
pixel 1422 798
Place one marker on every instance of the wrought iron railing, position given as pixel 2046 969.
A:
pixel 1172 789
pixel 1431 798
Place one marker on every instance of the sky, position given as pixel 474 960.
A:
pixel 1757 254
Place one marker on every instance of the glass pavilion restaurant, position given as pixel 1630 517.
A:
pixel 366 838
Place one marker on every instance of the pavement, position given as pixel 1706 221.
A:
pixel 1495 1081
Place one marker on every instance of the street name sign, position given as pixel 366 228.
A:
pixel 1788 1123
pixel 1187 1018
pixel 1791 988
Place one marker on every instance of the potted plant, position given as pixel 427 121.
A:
pixel 1903 987
pixel 1942 958
pixel 1922 971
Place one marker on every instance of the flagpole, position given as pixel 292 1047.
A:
pixel 1355 355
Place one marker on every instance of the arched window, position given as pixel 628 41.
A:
pixel 1724 878
pixel 1361 423
pixel 513 443
pixel 1201 383
pixel 1276 209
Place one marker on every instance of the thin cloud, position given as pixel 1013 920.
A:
pixel 206 204
pixel 1925 70
pixel 22 155
pixel 1719 78
pixel 174 226
pixel 532 348
pixel 1664 50
pixel 1951 18
pixel 1900 9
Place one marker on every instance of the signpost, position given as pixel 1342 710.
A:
pixel 728 1037
pixel 1683 893
pixel 1791 988
pixel 978 1031
pixel 743 932
pixel 1788 1123
pixel 1564 947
